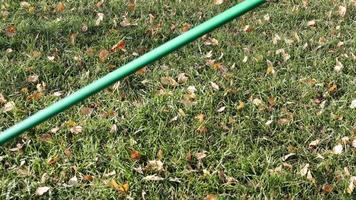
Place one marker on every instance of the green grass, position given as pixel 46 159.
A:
pixel 238 143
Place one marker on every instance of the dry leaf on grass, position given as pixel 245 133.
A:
pixel 9 106
pixel 76 129
pixel 103 55
pixel 122 188
pixel 154 166
pixel 42 190
pixel 168 81
pixel 338 149
pixel 353 104
pixel 100 18
pixel 218 2
pixel 153 178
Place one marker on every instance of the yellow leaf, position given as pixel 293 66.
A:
pixel 123 188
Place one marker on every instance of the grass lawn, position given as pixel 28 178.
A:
pixel 258 109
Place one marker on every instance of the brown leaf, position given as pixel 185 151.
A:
pixel 35 96
pixel 200 117
pixel 2 99
pixel 135 155
pixel 186 27
pixel 168 81
pixel 45 137
pixel 160 154
pixel 100 3
pixel 332 88
pixel 68 152
pixel 88 178
pixel 327 188
pixel 10 31
pixel 32 79
pixel 60 7
pixel 210 197
pixel 53 160
pixel 119 46
pixel 103 55
pixel 131 5
pixel 241 105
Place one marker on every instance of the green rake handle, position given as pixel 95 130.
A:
pixel 128 69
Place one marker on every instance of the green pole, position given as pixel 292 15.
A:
pixel 129 68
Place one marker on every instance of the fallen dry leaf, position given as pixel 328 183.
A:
pixel 9 106
pixel 353 104
pixel 314 143
pixel 270 69
pixel 88 178
pixel 153 178
pixel 60 7
pixel 2 99
pixel 76 129
pixel 168 81
pixel 218 2
pixel 113 128
pixel 154 166
pixel 100 18
pixel 186 27
pixel 210 197
pixel 353 142
pixel 327 188
pixel 200 155
pixel 73 181
pixel 200 117
pixel 119 46
pixel 310 177
pixel 103 55
pixel 32 79
pixel 304 170
pixel 311 23
pixel 338 149
pixel 286 157
pixel 351 186
pixel 135 155
pixel 182 78
pixel 342 11
pixel 53 160
pixel 10 31
pixel 17 148
pixel 222 109
pixel 122 188
pixel 131 5
pixel 215 86
pixel 42 190
pixel 338 67
pixel 332 88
